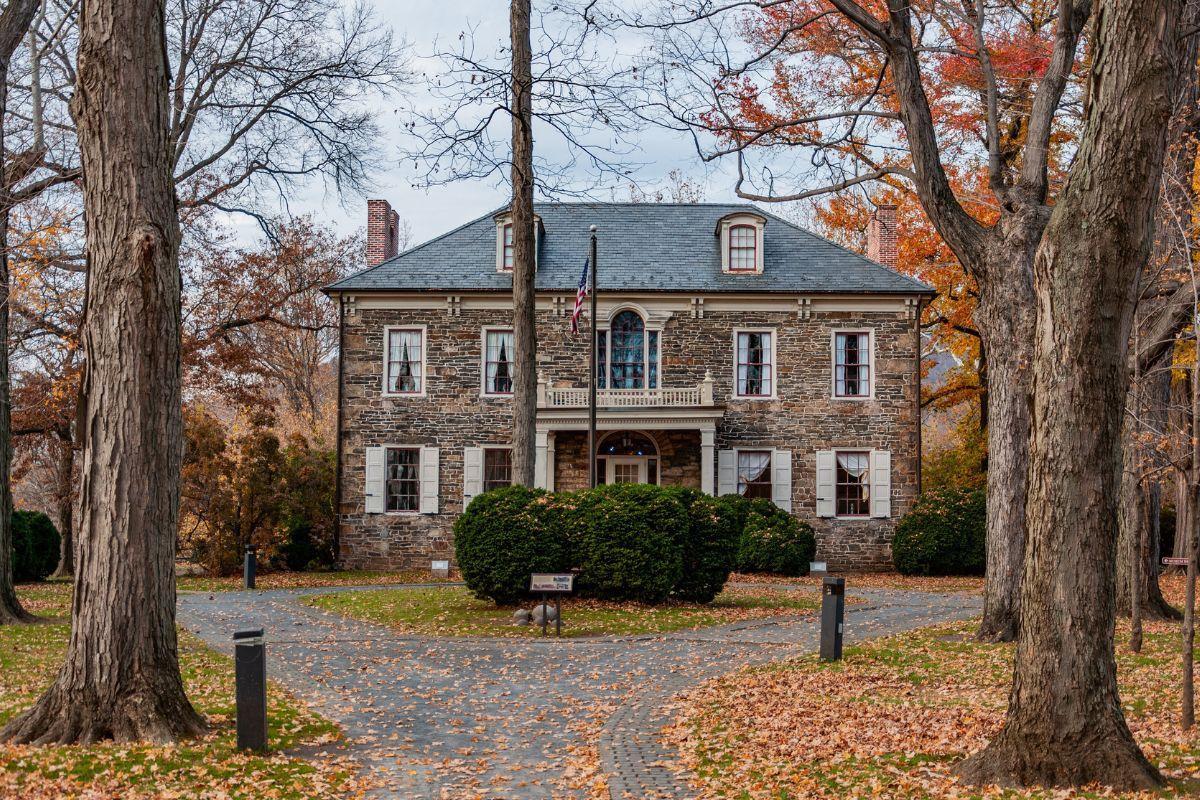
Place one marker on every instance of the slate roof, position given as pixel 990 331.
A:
pixel 643 247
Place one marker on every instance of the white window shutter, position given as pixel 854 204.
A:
pixel 781 479
pixel 826 483
pixel 429 480
pixel 472 474
pixel 881 483
pixel 726 472
pixel 376 487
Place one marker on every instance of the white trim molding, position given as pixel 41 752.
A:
pixel 387 344
pixel 483 337
pixel 727 224
pixel 734 396
pixel 870 395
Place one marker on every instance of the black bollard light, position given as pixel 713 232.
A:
pixel 250 677
pixel 250 566
pixel 833 609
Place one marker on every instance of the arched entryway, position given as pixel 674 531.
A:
pixel 627 457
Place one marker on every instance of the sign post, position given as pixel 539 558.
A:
pixel 556 584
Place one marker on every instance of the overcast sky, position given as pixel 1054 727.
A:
pixel 436 210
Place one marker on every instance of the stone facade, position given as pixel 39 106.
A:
pixel 453 414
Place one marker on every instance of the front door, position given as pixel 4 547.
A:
pixel 628 469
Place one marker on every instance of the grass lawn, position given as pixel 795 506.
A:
pixel 452 611
pixel 297 580
pixel 891 719
pixel 209 767
pixel 872 580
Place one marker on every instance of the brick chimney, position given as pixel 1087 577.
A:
pixel 383 226
pixel 882 239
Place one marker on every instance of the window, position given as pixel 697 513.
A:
pixel 852 365
pixel 405 357
pixel 627 354
pixel 497 468
pixel 498 362
pixel 506 248
pixel 754 473
pixel 403 479
pixel 743 249
pixel 755 364
pixel 853 484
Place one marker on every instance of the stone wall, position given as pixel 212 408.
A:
pixel 453 414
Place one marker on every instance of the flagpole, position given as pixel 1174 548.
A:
pixel 592 368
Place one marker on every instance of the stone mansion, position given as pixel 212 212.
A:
pixel 738 353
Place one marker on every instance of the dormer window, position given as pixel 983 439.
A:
pixel 506 247
pixel 743 248
pixel 741 241
pixel 504 241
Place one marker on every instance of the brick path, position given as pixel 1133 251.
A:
pixel 499 718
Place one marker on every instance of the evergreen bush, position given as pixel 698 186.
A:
pixel 35 546
pixel 709 548
pixel 943 534
pixel 772 540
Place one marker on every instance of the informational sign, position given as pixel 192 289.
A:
pixel 1175 562
pixel 547 582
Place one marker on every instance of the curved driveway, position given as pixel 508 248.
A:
pixel 518 719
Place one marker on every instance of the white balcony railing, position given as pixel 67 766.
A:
pixel 669 397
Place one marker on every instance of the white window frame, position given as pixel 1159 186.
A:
pixel 504 223
pixel 871 364
pixel 420 459
pixel 726 225
pixel 867 451
pixel 737 460
pixel 483 381
pixel 648 327
pixel 774 395
pixel 485 448
pixel 387 341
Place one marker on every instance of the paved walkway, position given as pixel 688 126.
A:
pixel 499 718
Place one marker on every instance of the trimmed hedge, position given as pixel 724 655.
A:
pixel 772 540
pixel 35 546
pixel 504 536
pixel 943 534
pixel 627 540
pixel 709 548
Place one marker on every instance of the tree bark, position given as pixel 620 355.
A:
pixel 1064 725
pixel 1004 317
pixel 66 501
pixel 524 300
pixel 14 22
pixel 120 678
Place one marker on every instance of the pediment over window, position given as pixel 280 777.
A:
pixel 504 241
pixel 741 240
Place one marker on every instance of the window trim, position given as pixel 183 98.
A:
pixel 869 480
pixel 483 362
pixel 420 448
pixel 507 247
pixel 483 476
pixel 833 365
pixel 737 459
pixel 774 395
pixel 604 354
pixel 753 248
pixel 387 340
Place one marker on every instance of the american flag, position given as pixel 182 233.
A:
pixel 579 297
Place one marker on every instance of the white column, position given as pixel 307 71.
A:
pixel 708 441
pixel 539 459
pixel 550 461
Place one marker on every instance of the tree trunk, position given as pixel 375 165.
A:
pixel 14 22
pixel 1064 725
pixel 1138 515
pixel 524 300
pixel 120 678
pixel 1004 318
pixel 65 498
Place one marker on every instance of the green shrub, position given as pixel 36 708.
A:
pixel 35 546
pixel 628 541
pixel 772 540
pixel 709 548
pixel 302 550
pixel 504 536
pixel 943 534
